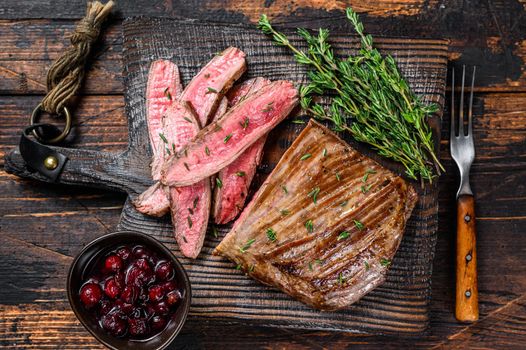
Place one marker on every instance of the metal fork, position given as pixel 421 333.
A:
pixel 463 152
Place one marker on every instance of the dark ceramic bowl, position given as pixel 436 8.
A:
pixel 83 264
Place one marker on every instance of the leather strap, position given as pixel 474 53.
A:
pixel 35 153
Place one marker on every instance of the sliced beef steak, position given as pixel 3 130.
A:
pixel 220 143
pixel 323 228
pixel 207 88
pixel 154 201
pixel 235 178
pixel 164 86
pixel 189 205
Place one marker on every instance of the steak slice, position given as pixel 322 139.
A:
pixel 164 85
pixel 236 177
pixel 323 228
pixel 206 89
pixel 153 202
pixel 190 205
pixel 221 142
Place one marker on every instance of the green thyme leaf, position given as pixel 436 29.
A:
pixel 314 194
pixel 298 121
pixel 214 231
pixel 325 152
pixel 227 137
pixel 284 188
pixel 365 188
pixel 196 200
pixel 271 235
pixel 343 235
pixel 367 266
pixel 219 183
pixel 309 226
pixel 244 124
pixel 358 225
pixel 338 176
pixel 240 174
pixel 167 94
pixel 207 151
pixel 188 120
pixel 190 223
pixel 251 268
pixel 284 212
pixel 161 135
pixel 210 90
pixel 306 156
pixel 247 245
pixel 385 262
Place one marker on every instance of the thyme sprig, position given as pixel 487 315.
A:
pixel 371 100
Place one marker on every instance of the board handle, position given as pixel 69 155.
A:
pixel 113 171
pixel 467 308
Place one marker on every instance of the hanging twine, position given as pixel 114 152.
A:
pixel 65 76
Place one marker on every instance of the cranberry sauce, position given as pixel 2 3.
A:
pixel 131 292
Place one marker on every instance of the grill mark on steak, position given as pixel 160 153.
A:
pixel 318 268
pixel 226 138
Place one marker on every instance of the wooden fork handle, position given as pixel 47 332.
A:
pixel 467 308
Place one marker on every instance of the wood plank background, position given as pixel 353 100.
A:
pixel 43 226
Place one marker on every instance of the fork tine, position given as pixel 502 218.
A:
pixel 453 128
pixel 461 111
pixel 470 111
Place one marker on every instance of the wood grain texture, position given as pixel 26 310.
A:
pixel 467 295
pixel 57 220
pixel 220 291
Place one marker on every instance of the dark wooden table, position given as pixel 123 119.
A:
pixel 43 226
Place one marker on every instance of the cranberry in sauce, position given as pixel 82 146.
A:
pixel 131 292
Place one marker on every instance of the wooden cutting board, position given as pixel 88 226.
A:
pixel 220 291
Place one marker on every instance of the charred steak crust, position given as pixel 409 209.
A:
pixel 322 228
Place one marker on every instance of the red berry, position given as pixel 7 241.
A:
pixel 136 276
pixel 112 288
pixel 119 278
pixel 158 323
pixel 124 253
pixel 161 308
pixel 114 323
pixel 141 252
pixel 156 293
pixel 113 263
pixel 125 308
pixel 105 307
pixel 129 294
pixel 164 271
pixel 173 297
pixel 169 286
pixel 90 294
pixel 137 326
pixel 143 264
pixel 149 310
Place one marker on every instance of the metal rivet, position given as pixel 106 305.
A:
pixel 51 163
pixel 468 257
pixel 468 293
pixel 467 218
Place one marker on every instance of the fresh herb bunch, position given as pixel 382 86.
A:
pixel 371 99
